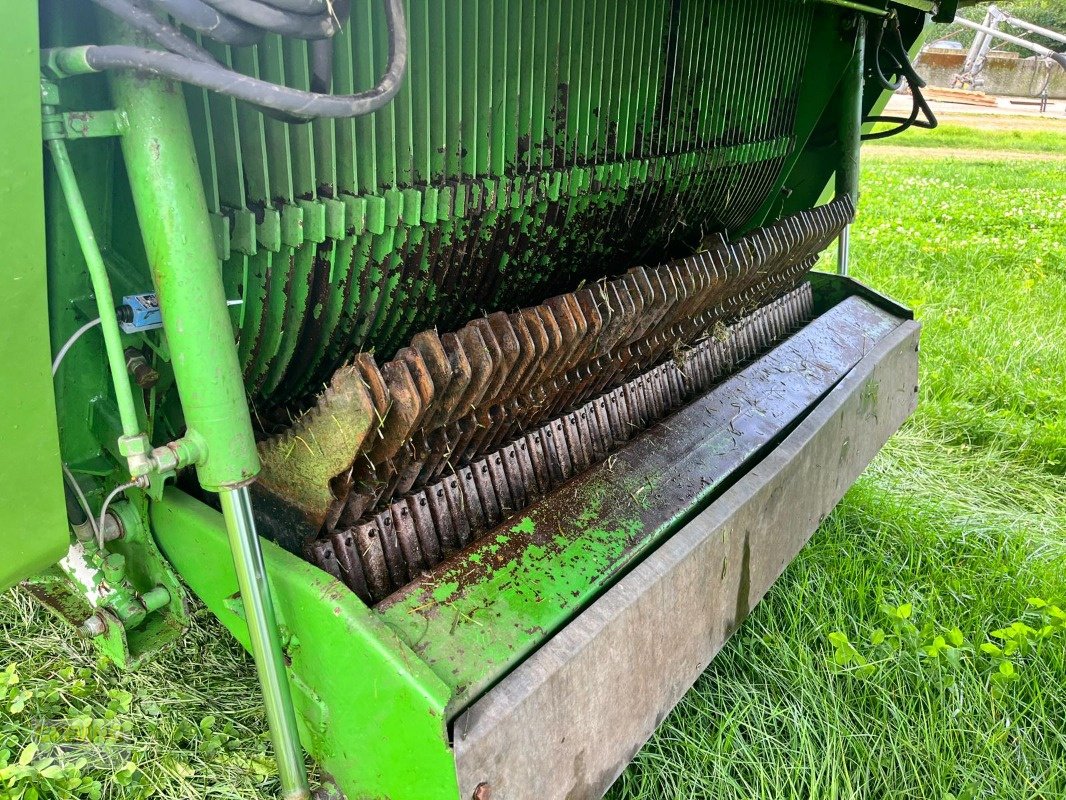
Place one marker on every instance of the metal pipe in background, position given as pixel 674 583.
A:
pixel 265 641
pixel 1059 58
pixel 1025 25
pixel 850 137
pixel 105 301
pixel 172 212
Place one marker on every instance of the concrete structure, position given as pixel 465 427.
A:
pixel 1006 73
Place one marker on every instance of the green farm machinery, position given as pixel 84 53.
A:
pixel 463 357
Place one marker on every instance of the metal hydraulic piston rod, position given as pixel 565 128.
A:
pixel 850 137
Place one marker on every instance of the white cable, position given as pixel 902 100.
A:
pixel 103 510
pixel 88 326
pixel 97 526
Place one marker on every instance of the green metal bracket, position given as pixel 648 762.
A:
pixel 380 732
pixel 77 124
pixel 85 124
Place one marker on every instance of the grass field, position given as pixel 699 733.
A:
pixel 913 650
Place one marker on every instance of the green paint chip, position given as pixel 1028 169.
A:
pixel 445 590
pixel 525 526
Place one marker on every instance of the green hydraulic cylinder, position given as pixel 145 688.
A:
pixel 850 137
pixel 172 212
pixel 173 216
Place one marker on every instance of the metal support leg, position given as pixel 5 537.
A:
pixel 850 136
pixel 266 644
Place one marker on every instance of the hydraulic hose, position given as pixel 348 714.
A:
pixel 237 22
pixel 896 51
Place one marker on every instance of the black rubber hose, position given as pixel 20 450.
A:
pixel 286 23
pixel 291 105
pixel 321 66
pixel 301 6
pixel 919 106
pixel 75 513
pixel 167 36
pixel 209 22
pixel 295 102
pixel 879 73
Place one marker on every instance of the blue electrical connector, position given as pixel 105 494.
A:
pixel 140 312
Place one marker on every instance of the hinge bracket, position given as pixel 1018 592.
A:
pixel 78 124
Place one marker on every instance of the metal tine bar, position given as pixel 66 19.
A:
pixel 444 400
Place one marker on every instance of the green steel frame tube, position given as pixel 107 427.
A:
pixel 266 645
pixel 850 137
pixel 105 301
pixel 172 211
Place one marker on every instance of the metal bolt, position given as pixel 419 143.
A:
pixel 144 375
pixel 93 626
pixel 482 792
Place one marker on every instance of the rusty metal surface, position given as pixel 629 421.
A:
pixel 518 474
pixel 566 722
pixel 444 402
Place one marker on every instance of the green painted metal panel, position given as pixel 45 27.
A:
pixel 371 713
pixel 34 531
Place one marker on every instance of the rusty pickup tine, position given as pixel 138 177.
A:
pixel 347 553
pixel 586 301
pixel 536 342
pixel 435 360
pixel 321 553
pixel 368 546
pixel 404 411
pixel 569 330
pixel 472 501
pixel 481 367
pixel 565 306
pixel 490 503
pixel 501 355
pixel 461 376
pixel 460 516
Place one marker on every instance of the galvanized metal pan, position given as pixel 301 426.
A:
pixel 565 722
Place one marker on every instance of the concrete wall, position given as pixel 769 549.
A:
pixel 1005 74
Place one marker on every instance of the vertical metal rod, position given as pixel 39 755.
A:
pixel 850 136
pixel 105 301
pixel 844 250
pixel 266 644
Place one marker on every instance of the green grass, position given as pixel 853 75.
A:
pixel 963 137
pixel 962 517
pixel 951 531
